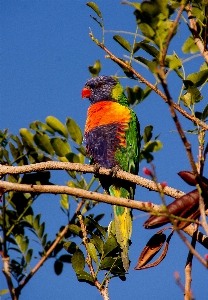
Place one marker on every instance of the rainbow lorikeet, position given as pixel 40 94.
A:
pixel 113 140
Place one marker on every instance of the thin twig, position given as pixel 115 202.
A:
pixel 191 248
pixel 188 267
pixel 50 250
pixel 103 290
pixel 170 34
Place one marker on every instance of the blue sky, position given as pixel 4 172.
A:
pixel 45 51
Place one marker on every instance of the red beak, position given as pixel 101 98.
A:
pixel 86 93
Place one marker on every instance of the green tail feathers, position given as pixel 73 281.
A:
pixel 123 223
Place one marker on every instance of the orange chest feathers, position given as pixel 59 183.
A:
pixel 107 112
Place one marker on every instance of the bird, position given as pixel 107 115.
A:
pixel 112 139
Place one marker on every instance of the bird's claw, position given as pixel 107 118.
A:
pixel 114 170
pixel 96 170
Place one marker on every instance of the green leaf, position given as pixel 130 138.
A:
pixel 64 201
pixel 95 8
pixel 78 261
pixel 134 4
pixel 135 94
pixel 65 258
pixel 27 137
pixel 107 263
pixel 92 252
pixel 29 218
pixel 36 222
pixel 153 146
pixel 60 146
pixel 74 131
pixel 205 113
pixel 72 157
pixel 75 229
pixel 28 256
pixel 109 245
pixel 85 277
pixel 147 91
pixel 95 69
pixel 192 96
pixel 147 30
pixel 3 292
pixel 38 125
pixel 150 8
pixel 204 66
pixel 57 126
pixel 70 247
pixel 123 42
pixel 147 133
pixel 41 230
pixel 98 242
pixel 152 65
pixel 198 78
pixel 173 62
pixel 150 50
pixel 22 242
pixel 42 140
pixel 189 46
pixel 44 240
pixel 58 267
pixel 14 151
pixel 99 227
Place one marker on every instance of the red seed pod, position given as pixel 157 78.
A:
pixel 185 206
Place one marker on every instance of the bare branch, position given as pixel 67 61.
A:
pixel 191 248
pixel 50 189
pixel 52 165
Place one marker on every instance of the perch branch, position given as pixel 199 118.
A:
pixel 52 165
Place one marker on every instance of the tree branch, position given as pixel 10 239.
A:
pixel 103 290
pixel 50 189
pixel 193 28
pixel 50 250
pixel 52 165
pixel 156 90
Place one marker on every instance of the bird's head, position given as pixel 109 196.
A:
pixel 102 88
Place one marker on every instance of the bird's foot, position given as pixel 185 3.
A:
pixel 114 170
pixel 96 169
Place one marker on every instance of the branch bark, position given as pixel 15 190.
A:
pixel 52 165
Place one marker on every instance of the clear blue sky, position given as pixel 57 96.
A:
pixel 45 51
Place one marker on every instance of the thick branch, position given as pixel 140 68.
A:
pixel 139 205
pixel 51 189
pixel 52 165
